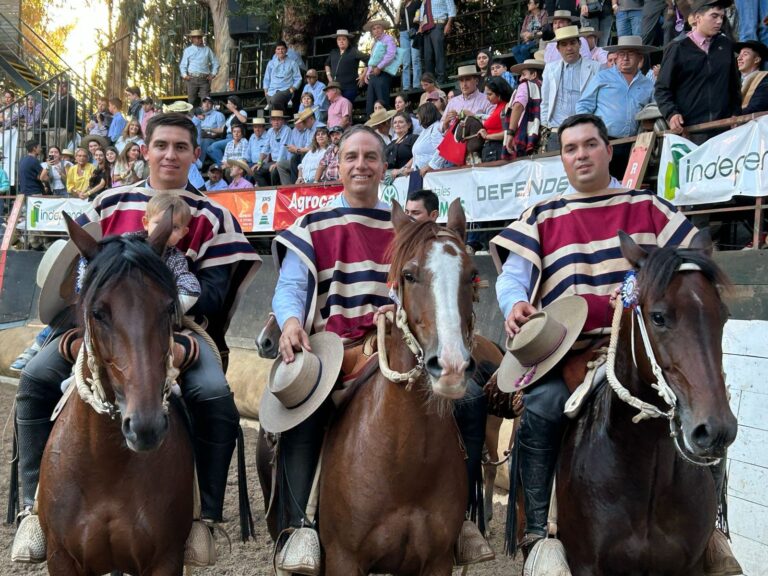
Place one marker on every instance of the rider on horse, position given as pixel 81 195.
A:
pixel 563 246
pixel 222 259
pixel 320 265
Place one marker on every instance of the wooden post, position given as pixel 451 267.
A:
pixel 758 227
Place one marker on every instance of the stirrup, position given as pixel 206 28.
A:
pixel 29 544
pixel 718 558
pixel 200 548
pixel 472 547
pixel 300 554
pixel 547 558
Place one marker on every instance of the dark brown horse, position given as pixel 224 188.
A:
pixel 632 500
pixel 466 131
pixel 116 487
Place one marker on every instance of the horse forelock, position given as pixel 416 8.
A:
pixel 411 242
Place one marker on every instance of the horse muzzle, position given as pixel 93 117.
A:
pixel 145 432
pixel 449 377
pixel 710 437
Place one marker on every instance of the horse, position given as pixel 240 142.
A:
pixel 116 477
pixel 466 131
pixel 639 498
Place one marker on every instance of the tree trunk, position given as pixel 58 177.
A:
pixel 131 12
pixel 302 21
pixel 220 18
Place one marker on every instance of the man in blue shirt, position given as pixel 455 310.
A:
pixel 30 170
pixel 317 89
pixel 257 142
pixel 198 67
pixel 281 79
pixel 118 120
pixel 299 143
pixel 211 125
pixel 435 21
pixel 215 179
pixel 276 149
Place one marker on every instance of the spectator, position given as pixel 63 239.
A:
pixel 499 93
pixel 601 20
pixel 595 52
pixel 216 149
pixel 611 62
pixel 62 115
pixel 754 83
pixel 499 69
pixel 653 10
pixel 410 42
pixel 378 106
pixel 131 133
pixel 483 62
pixel 275 150
pixel 616 95
pixel 699 81
pixel 147 110
pixel 422 205
pixel 438 100
pixel 753 20
pixel 112 157
pixel 212 126
pixel 470 101
pixel 281 79
pixel 382 65
pixel 429 86
pixel 435 23
pixel 129 168
pixel 93 143
pixel 308 101
pixel 238 147
pixel 79 175
pixel 215 180
pixel 402 104
pixel 629 17
pixel 328 168
pixel 133 93
pixel 68 155
pixel 117 124
pixel 99 123
pixel 99 180
pixel 5 188
pixel 339 109
pixel 399 152
pixel 8 108
pixel 198 67
pixel 257 142
pixel 30 170
pixel 424 150
pixel 564 82
pixel 530 31
pixel 55 172
pixel 311 161
pixel 561 19
pixel 299 143
pixel 341 66
pixel 238 168
pixel 521 119
pixel 29 116
pixel 319 99
pixel 380 122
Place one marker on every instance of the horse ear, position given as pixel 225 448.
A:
pixel 457 221
pixel 631 251
pixel 702 241
pixel 86 245
pixel 159 237
pixel 399 217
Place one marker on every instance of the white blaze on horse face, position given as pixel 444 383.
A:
pixel 453 354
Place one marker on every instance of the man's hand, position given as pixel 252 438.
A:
pixel 447 28
pixel 519 316
pixel 292 149
pixel 425 170
pixel 375 71
pixel 482 133
pixel 676 123
pixel 272 166
pixel 383 310
pixel 293 338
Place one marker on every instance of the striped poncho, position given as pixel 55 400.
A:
pixel 345 250
pixel 572 242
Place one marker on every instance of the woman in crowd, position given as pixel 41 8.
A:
pixel 499 93
pixel 521 118
pixel 100 178
pixel 311 160
pixel 342 64
pixel 380 122
pixel 483 62
pixel 426 144
pixel 399 152
pixel 429 85
pixel 307 101
pixel 79 175
pixel 237 170
pixel 402 104
pixel 131 133
pixel 55 172
pixel 129 167
pixel 530 31
pixel 378 106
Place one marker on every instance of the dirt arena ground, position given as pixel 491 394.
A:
pixel 245 559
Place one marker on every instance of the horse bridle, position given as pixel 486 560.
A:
pixel 647 410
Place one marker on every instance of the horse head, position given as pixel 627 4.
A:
pixel 679 297
pixel 128 303
pixel 436 280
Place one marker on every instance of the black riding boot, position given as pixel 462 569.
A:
pixel 32 437
pixel 471 412
pixel 215 425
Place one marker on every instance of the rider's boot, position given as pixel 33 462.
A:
pixel 719 559
pixel 215 424
pixel 29 541
pixel 299 452
pixel 470 413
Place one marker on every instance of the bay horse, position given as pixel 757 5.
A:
pixel 632 500
pixel 466 131
pixel 116 476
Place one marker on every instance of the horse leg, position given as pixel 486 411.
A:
pixel 439 567
pixel 492 427
pixel 340 563
pixel 60 563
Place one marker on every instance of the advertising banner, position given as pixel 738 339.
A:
pixel 44 213
pixel 291 203
pixel 253 209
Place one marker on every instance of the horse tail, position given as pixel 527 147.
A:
pixel 246 517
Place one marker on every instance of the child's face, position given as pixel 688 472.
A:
pixel 306 100
pixel 179 230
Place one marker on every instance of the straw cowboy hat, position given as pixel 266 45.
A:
pixel 296 390
pixel 464 71
pixel 649 112
pixel 56 267
pixel 277 114
pixel 542 341
pixel 539 54
pixel 589 31
pixel 68 152
pixel 259 121
pixel 240 163
pixel 304 114
pixel 342 32
pixel 566 33
pixel 178 106
pixel 529 64
pixel 332 85
pixel 195 32
pixel 633 43
pixel 563 15
pixel 380 117
pixel 103 142
pixel 371 23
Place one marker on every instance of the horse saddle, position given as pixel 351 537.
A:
pixel 361 360
pixel 590 367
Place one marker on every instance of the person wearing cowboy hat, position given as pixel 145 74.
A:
pixel 698 81
pixel 282 78
pixel 257 142
pixel 380 122
pixel 238 168
pixel 564 82
pixel 198 67
pixel 596 52
pixel 299 143
pixel 215 180
pixel 275 150
pixel 617 95
pixel 435 23
pixel 470 101
pixel 382 65
pixel 342 64
pixel 561 19
pixel 340 108
pixel 521 118
pixel 754 83
pixel 237 114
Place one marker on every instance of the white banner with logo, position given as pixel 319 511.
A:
pixel 734 163
pixel 44 213
pixel 493 193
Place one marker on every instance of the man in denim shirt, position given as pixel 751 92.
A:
pixel 281 79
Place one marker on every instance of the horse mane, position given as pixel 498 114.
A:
pixel 411 240
pixel 659 268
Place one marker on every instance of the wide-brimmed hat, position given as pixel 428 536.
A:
pixel 333 84
pixel 649 112
pixel 563 15
pixel 379 117
pixel 342 32
pixel 566 33
pixel 240 163
pixel 371 23
pixel 277 114
pixel 539 54
pixel 759 47
pixel 178 106
pixel 529 64
pixel 56 267
pixel 698 5
pixel 542 341
pixel 304 114
pixel 68 152
pixel 464 71
pixel 195 32
pixel 258 121
pixel 102 141
pixel 634 43
pixel 588 31
pixel 296 390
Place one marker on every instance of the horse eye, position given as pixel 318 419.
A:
pixel 657 318
pixel 99 315
pixel 408 277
